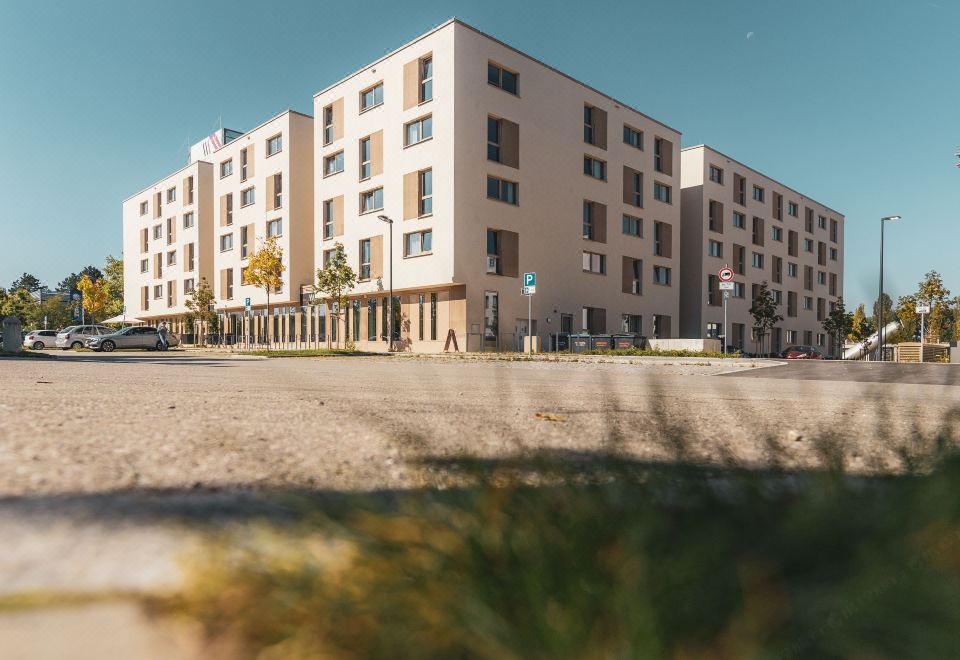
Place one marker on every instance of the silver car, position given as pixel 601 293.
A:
pixel 40 339
pixel 132 337
pixel 75 336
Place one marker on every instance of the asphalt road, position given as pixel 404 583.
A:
pixel 860 372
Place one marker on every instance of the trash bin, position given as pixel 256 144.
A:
pixel 601 343
pixel 579 343
pixel 623 342
pixel 561 341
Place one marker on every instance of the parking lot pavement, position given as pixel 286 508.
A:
pixel 860 372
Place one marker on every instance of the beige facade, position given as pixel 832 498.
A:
pixel 766 232
pixel 168 242
pixel 511 166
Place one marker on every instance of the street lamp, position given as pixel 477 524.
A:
pixel 390 324
pixel 880 342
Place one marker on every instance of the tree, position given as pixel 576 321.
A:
pixel 265 268
pixel 113 282
pixel 94 294
pixel 932 291
pixel 334 281
pixel 888 314
pixel 27 282
pixel 199 303
pixel 764 312
pixel 857 323
pixel 20 303
pixel 71 282
pixel 839 323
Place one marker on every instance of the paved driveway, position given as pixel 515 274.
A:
pixel 860 372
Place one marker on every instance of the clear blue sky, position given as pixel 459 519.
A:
pixel 854 103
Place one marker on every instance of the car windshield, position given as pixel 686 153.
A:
pixel 69 328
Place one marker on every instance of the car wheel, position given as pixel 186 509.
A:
pixel 37 345
pixel 108 346
pixel 75 345
pixel 159 346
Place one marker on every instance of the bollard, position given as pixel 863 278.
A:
pixel 12 337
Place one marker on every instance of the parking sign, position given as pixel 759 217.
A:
pixel 530 279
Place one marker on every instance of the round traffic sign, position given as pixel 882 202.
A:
pixel 725 274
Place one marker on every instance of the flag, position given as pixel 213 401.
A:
pixel 212 143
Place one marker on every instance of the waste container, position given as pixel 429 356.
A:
pixel 623 342
pixel 560 341
pixel 601 343
pixel 579 343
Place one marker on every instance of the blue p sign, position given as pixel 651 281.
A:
pixel 529 279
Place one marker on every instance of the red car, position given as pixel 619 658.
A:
pixel 801 353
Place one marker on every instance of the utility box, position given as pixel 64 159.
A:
pixel 526 344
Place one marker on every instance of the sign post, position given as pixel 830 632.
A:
pixel 529 288
pixel 922 309
pixel 725 275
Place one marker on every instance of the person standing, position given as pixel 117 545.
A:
pixel 162 331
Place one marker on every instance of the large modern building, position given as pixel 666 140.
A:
pixel 764 231
pixel 489 163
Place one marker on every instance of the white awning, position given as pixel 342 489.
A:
pixel 120 318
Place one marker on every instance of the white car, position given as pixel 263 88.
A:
pixel 76 335
pixel 40 339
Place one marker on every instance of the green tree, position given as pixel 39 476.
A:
pixel 94 296
pixel 199 303
pixel 57 311
pixel 839 323
pixel 265 268
pixel 932 291
pixel 334 282
pixel 764 312
pixel 71 282
pixel 27 282
pixel 113 282
pixel 20 303
pixel 888 313
pixel 859 319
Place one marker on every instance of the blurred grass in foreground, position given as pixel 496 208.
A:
pixel 601 559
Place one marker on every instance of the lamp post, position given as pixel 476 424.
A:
pixel 390 324
pixel 880 332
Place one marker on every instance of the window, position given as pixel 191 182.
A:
pixel 715 216
pixel 274 145
pixel 713 330
pixel 328 218
pixel 277 191
pixel 275 228
pixel 821 222
pixel 757 260
pixel 433 317
pixel 372 319
pixel 491 323
pixel 244 158
pixel 157 232
pixel 226 242
pixel 715 249
pixel 425 206
pixel 226 168
pixel 244 242
pixel 371 97
pixel 588 228
pixel 633 193
pixel 365 158
pixel 594 263
pixel 371 200
pixel 716 174
pixel 834 230
pixel 502 190
pixel 365 252
pixel 808 245
pixel 500 77
pixel 738 290
pixel 418 130
pixel 793 209
pixel 630 323
pixel 661 275
pixel 739 189
pixel 247 197
pixel 834 254
pixel 172 258
pixel 493 252
pixel 633 137
pixel 632 226
pixel 327 257
pixel 659 149
pixel 739 220
pixel 158 291
pixel 327 125
pixel 791 269
pixel 188 286
pixel 144 265
pixel 229 287
pixel 807 302
pixel 191 254
pixel 188 220
pixel 595 168
pixel 143 208
pixel 229 210
pixel 758 193
pixel 171 195
pixel 821 277
pixel 634 276
pixel 417 243
pixel 494 133
pixel 333 164
pixel 776 296
pixel 662 193
pixel 776 234
pixel 170 230
pixel 757 235
pixel 658 239
pixel 426 81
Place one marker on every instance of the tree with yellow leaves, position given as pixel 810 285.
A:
pixel 265 268
pixel 95 296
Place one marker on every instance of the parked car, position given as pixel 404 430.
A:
pixel 131 337
pixel 801 353
pixel 40 339
pixel 76 335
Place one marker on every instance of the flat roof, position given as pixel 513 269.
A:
pixel 755 171
pixel 457 21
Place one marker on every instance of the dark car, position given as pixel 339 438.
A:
pixel 801 353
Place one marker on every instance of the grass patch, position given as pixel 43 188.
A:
pixel 649 352
pixel 604 559
pixel 311 352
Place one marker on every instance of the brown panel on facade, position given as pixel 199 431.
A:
pixel 172 291
pixel 411 195
pixel 223 210
pixel 338 215
pixel 666 156
pixel 666 240
pixel 716 212
pixel 144 296
pixel 628 173
pixel 599 127
pixel 509 143
pixel 185 195
pixel 250 163
pixel 376 153
pixel 157 208
pixel 171 229
pixel 376 257
pixel 223 285
pixel 510 253
pixel 338 118
pixel 144 240
pixel 626 282
pixel 599 222
pixel 157 265
pixel 411 84
pixel 271 192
